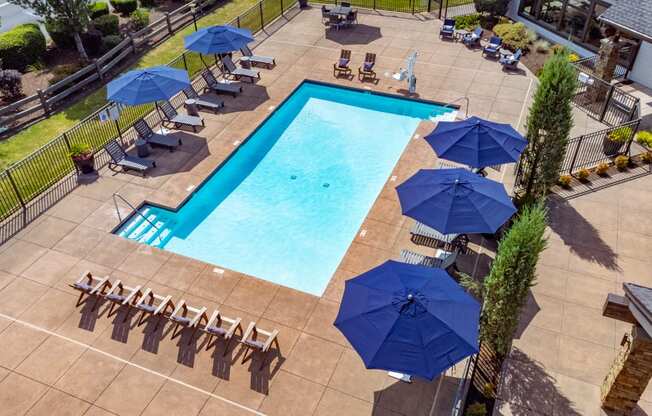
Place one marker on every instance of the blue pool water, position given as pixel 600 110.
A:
pixel 286 206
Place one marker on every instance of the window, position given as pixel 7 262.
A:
pixel 529 7
pixel 551 12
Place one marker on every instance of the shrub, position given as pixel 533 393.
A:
pixel 61 35
pixel 92 41
pixel 108 24
pixel 573 57
pixel 61 71
pixel 469 21
pixel 564 180
pixel 476 409
pixel 602 169
pixel 148 3
pixel 621 135
pixel 621 162
pixel 98 9
pixel 559 49
pixel 139 19
pixel 110 42
pixel 124 7
pixel 541 46
pixel 583 174
pixel 644 138
pixel 492 7
pixel 646 157
pixel 514 35
pixel 80 150
pixel 21 46
pixel 11 83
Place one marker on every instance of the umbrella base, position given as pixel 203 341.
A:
pixel 406 378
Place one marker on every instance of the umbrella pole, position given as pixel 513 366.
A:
pixel 159 114
pixel 434 401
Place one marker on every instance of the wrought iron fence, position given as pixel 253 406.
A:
pixel 33 184
pixel 588 65
pixel 442 8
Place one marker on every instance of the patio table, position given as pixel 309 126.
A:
pixel 341 10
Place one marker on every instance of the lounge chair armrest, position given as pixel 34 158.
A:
pixel 87 275
pixel 249 331
pixel 136 290
pixel 213 317
pixel 101 284
pixel 116 285
pixel 163 305
pixel 270 340
pixel 200 314
pixel 234 326
pixel 146 293
pixel 182 304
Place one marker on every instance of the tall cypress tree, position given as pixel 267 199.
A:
pixel 548 126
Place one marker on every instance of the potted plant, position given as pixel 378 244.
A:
pixel 564 181
pixel 613 142
pixel 83 157
pixel 476 409
pixel 622 162
pixel 582 175
pixel 646 157
pixel 602 169
pixel 303 4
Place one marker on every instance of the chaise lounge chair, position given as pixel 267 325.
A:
pixel 212 84
pixel 90 285
pixel 207 102
pixel 473 38
pixel 122 295
pixel 511 61
pixel 152 305
pixel 423 235
pixel 268 61
pixel 447 29
pixel 220 326
pixel 441 260
pixel 178 120
pixel 341 67
pixel 447 164
pixel 120 158
pixel 146 133
pixel 238 73
pixel 493 48
pixel 366 71
pixel 185 316
pixel 250 341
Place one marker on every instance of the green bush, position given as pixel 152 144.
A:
pixel 515 35
pixel 98 9
pixel 559 49
pixel 492 7
pixel 92 40
pixel 21 46
pixel 476 409
pixel 644 138
pixel 621 135
pixel 139 18
pixel 469 21
pixel 541 46
pixel 124 7
pixel 110 42
pixel 108 24
pixel 60 34
pixel 11 83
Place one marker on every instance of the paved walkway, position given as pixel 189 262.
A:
pixel 59 359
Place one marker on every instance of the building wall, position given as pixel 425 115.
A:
pixel 642 70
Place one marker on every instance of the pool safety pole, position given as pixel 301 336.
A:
pixel 411 78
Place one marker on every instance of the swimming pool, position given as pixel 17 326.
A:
pixel 287 204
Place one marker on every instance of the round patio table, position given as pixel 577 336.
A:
pixel 142 148
pixel 191 107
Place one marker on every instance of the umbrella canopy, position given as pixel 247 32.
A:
pixel 217 39
pixel 476 142
pixel 455 201
pixel 147 85
pixel 409 318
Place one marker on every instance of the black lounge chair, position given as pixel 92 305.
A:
pixel 238 73
pixel 120 158
pixel 447 29
pixel 178 120
pixel 428 236
pixel 366 71
pixel 441 260
pixel 212 84
pixel 209 103
pixel 341 67
pixel 268 61
pixel 146 133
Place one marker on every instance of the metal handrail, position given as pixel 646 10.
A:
pixel 115 202
pixel 466 115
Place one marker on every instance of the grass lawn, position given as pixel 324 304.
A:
pixel 28 140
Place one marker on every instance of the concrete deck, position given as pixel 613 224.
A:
pixel 59 359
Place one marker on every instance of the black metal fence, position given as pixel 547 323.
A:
pixel 441 8
pixel 33 184
pixel 588 65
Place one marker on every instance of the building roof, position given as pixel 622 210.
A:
pixel 640 304
pixel 632 16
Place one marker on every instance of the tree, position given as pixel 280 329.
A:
pixel 73 14
pixel 493 7
pixel 548 127
pixel 512 274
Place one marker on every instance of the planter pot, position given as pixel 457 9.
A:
pixel 303 4
pixel 85 165
pixel 610 147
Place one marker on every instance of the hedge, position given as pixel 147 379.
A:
pixel 108 24
pixel 99 9
pixel 139 19
pixel 21 46
pixel 124 7
pixel 61 34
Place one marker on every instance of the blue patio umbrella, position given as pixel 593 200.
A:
pixel 455 201
pixel 147 85
pixel 476 142
pixel 217 39
pixel 409 318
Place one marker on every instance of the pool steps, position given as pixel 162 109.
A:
pixel 144 232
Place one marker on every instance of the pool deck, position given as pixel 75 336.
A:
pixel 57 358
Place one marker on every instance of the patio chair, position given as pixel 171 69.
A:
pixel 90 285
pixel 120 158
pixel 146 133
pixel 493 48
pixel 219 326
pixel 122 295
pixel 473 38
pixel 325 14
pixel 341 67
pixel 178 120
pixel 268 61
pixel 447 29
pixel 185 316
pixel 511 61
pixel 212 84
pixel 447 164
pixel 351 18
pixel 207 102
pixel 423 235
pixel 335 21
pixel 366 71
pixel 238 73
pixel 442 259
pixel 251 341
pixel 152 305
